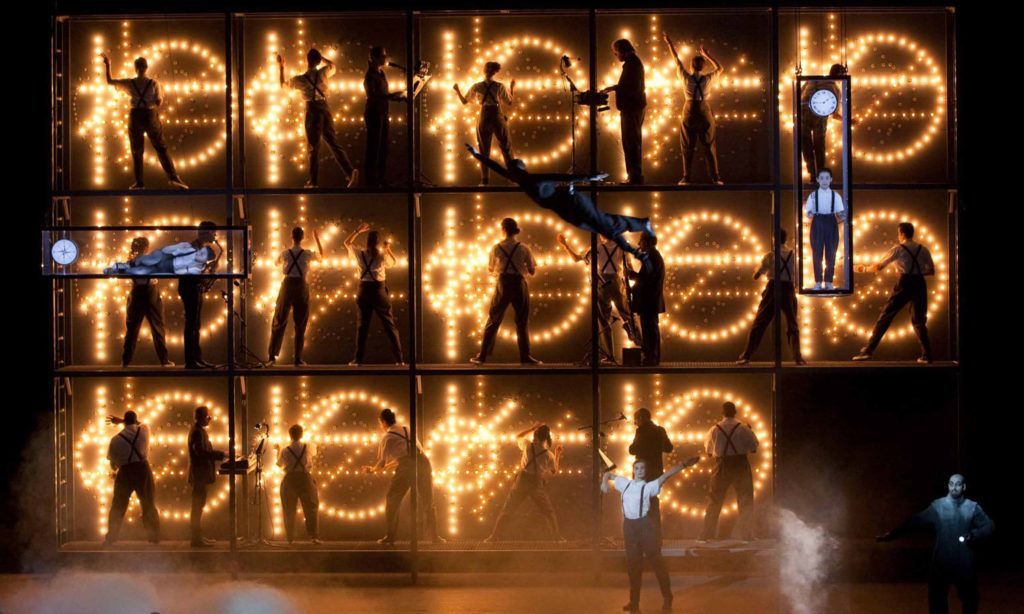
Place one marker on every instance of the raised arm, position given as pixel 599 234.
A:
pixel 557 455
pixel 389 254
pixel 606 478
pixel 674 470
pixel 675 54
pixel 511 92
pixel 106 68
pixel 351 239
pixel 319 246
pixel 458 92
pixel 916 522
pixel 565 245
pixel 522 434
pixel 714 63
pixel 280 70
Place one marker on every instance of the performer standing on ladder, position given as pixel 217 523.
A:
pixel 312 84
pixel 298 485
pixel 512 261
pixel 493 122
pixel 825 210
pixel 698 125
pixel 143 119
pixel 611 290
pixel 914 262
pixel 766 309
pixel 729 442
pixel 129 457
pixel 374 296
pixel 144 304
pixel 293 295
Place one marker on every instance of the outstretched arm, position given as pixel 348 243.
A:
pixel 280 69
pixel 675 54
pixel 606 478
pixel 487 161
pixel 319 247
pixel 674 470
pixel 565 245
pixel 106 68
pixel 536 425
pixel 458 92
pixel 915 523
pixel 351 239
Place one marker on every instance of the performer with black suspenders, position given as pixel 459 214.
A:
pixel 293 295
pixel 698 125
pixel 729 442
pixel 824 228
pixel 538 461
pixel 914 262
pixel 144 119
pixel 766 309
pixel 512 261
pixel 611 290
pixel 298 485
pixel 398 451
pixel 374 296
pixel 312 84
pixel 129 457
pixel 493 122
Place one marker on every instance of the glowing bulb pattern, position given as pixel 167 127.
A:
pixel 193 103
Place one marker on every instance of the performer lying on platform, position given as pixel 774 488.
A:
pixel 185 258
pixel 570 205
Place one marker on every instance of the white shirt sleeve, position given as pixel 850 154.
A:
pixel 652 488
pixel 809 207
pixel 620 483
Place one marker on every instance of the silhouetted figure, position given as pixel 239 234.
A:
pixel 548 191
pixel 312 84
pixel 650 442
pixel 144 304
pixel 143 119
pixel 374 296
pixel 512 261
pixel 202 473
pixel 698 126
pixel 958 522
pixel 729 442
pixel 813 127
pixel 293 295
pixel 192 290
pixel 298 485
pixel 914 262
pixel 611 290
pixel 128 454
pixel 398 451
pixel 376 117
pixel 493 97
pixel 641 529
pixel 649 297
pixel 825 209
pixel 538 461
pixel 631 102
pixel 766 308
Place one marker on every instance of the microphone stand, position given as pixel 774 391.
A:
pixel 259 491
pixel 573 91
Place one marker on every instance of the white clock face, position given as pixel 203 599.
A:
pixel 824 103
pixel 64 252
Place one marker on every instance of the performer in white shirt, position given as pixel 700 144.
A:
pixel 611 290
pixel 511 261
pixel 185 258
pixel 492 96
pixel 293 295
pixel 825 210
pixel 312 84
pixel 298 485
pixel 144 119
pixel 374 296
pixel 641 530
pixel 698 125
pixel 729 442
pixel 539 460
pixel 914 262
pixel 397 451
pixel 766 309
pixel 144 304
pixel 128 454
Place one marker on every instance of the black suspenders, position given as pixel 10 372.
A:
pixel 698 88
pixel 367 274
pixel 728 439
pixel 608 262
pixel 131 442
pixel 294 263
pixel 640 506
pixel 298 458
pixel 532 457
pixel 313 83
pixel 508 260
pixel 141 104
pixel 915 267
pixel 831 209
pixel 785 268
pixel 489 94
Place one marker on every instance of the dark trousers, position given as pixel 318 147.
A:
pixel 966 584
pixel 812 142
pixel 492 124
pixel 611 225
pixel 192 302
pixel 401 483
pixel 320 125
pixel 293 296
pixel 631 124
pixel 373 297
pixel 142 122
pixel 375 164
pixel 527 486
pixel 137 478
pixel 511 290
pixel 611 293
pixel 698 129
pixel 199 493
pixel 650 333
pixel 910 289
pixel 766 313
pixel 144 304
pixel 824 243
pixel 643 541
pixel 298 486
pixel 731 471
